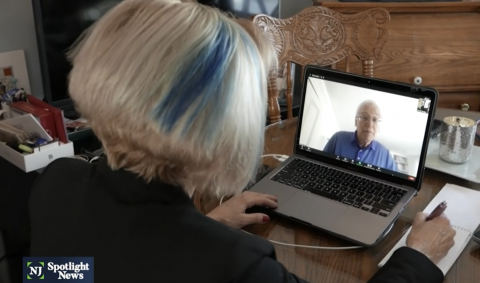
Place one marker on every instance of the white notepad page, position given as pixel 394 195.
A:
pixel 463 210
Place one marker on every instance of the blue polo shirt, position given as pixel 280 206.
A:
pixel 345 144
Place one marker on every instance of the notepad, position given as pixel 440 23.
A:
pixel 464 213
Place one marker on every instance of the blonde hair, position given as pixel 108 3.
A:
pixel 175 91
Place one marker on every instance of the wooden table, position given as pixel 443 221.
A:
pixel 354 265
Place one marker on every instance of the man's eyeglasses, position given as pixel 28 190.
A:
pixel 366 119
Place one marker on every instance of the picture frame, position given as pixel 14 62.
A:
pixel 13 64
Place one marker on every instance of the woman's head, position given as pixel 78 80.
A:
pixel 175 91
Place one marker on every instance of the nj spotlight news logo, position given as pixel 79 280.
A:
pixel 58 269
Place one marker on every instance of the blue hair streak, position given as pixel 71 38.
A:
pixel 198 85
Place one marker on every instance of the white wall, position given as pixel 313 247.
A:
pixel 331 107
pixel 17 32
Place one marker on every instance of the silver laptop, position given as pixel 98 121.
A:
pixel 359 154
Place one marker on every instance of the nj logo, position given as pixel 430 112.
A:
pixel 35 271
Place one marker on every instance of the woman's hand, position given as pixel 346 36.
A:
pixel 433 238
pixel 232 212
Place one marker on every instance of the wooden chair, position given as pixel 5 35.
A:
pixel 323 37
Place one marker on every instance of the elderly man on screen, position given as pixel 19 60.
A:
pixel 360 145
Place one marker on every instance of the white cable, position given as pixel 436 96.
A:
pixel 279 157
pixel 309 247
pixel 221 200
pixel 95 158
pixel 81 157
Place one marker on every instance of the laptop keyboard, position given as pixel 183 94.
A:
pixel 351 190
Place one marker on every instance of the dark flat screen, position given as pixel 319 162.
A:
pixel 60 22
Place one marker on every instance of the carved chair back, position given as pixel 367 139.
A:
pixel 323 37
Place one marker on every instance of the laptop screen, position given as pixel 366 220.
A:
pixel 377 129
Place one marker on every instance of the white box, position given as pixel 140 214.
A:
pixel 36 160
pixel 41 156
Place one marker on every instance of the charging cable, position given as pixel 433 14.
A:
pixel 308 247
pixel 86 158
pixel 279 157
pixel 94 159
pixel 81 157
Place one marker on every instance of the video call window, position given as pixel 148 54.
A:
pixel 375 129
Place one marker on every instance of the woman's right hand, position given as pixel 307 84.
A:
pixel 433 238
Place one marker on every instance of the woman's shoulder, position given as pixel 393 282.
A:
pixel 66 163
pixel 62 170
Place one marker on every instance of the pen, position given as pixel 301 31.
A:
pixel 438 210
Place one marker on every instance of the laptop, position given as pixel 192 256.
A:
pixel 359 154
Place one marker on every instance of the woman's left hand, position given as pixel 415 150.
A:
pixel 232 212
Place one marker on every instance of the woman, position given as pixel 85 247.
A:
pixel 176 92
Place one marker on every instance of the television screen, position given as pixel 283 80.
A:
pixel 59 23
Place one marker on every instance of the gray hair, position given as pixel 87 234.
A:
pixel 365 103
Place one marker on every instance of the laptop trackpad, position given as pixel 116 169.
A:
pixel 315 210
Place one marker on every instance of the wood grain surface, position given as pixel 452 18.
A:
pixel 437 41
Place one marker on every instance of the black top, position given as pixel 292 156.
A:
pixel 154 233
